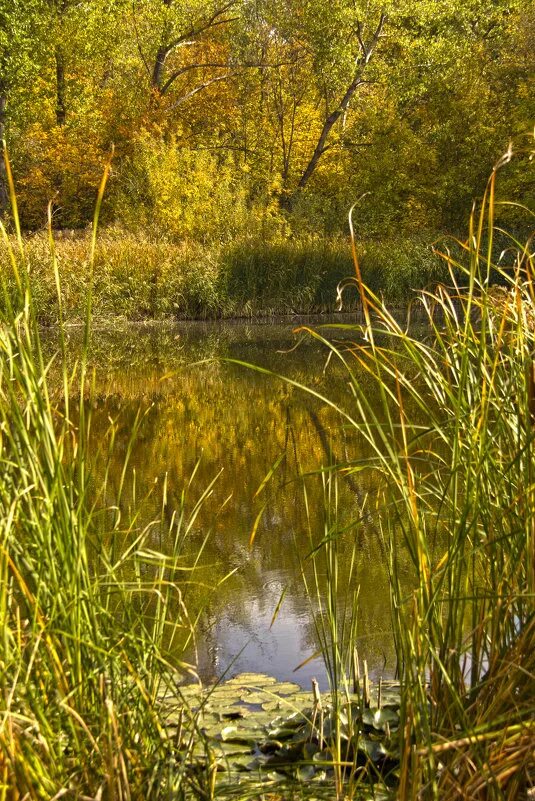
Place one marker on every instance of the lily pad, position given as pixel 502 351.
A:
pixel 275 776
pixel 275 705
pixel 287 688
pixel 227 732
pixel 296 701
pixel 281 732
pixel 379 718
pixel 243 736
pixel 293 721
pixel 324 756
pixel 305 773
pixel 246 762
pixel 255 696
pixel 251 680
pixel 310 750
pixel 373 749
pixel 228 749
pixel 225 694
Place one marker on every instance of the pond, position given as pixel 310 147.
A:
pixel 231 425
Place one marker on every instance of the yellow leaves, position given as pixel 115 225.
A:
pixel 61 164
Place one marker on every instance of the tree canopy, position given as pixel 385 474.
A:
pixel 261 112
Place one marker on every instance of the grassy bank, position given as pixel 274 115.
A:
pixel 137 278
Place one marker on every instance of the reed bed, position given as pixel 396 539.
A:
pixel 94 617
pixel 138 277
pixel 452 440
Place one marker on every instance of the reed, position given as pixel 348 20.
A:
pixel 324 574
pixel 452 443
pixel 93 618
pixel 139 277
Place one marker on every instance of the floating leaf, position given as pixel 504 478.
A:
pixel 227 749
pixel 254 697
pixel 251 680
pixel 292 721
pixel 294 703
pixel 275 776
pixel 275 705
pixel 287 688
pixel 373 749
pixel 310 750
pixel 323 756
pixel 227 732
pixel 281 733
pixel 225 693
pixel 305 773
pixel 378 718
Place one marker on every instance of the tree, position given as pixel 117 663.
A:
pixel 364 54
pixel 165 29
pixel 19 23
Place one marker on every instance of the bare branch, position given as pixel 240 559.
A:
pixel 200 88
pixel 218 17
pixel 201 27
pixel 219 65
pixel 187 68
pixel 138 41
pixel 367 49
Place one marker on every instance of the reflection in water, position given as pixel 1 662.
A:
pixel 197 412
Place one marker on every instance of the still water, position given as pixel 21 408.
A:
pixel 229 424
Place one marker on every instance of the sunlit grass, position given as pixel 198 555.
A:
pixel 91 634
pixel 142 278
pixel 452 430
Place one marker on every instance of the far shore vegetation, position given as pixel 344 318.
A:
pixel 243 133
pixel 138 278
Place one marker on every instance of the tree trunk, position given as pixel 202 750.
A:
pixel 61 107
pixel 4 188
pixel 327 126
pixel 366 52
pixel 157 72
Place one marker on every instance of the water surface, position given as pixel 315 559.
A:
pixel 197 412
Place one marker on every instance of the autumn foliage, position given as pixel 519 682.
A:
pixel 230 117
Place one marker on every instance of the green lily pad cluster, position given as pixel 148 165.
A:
pixel 252 727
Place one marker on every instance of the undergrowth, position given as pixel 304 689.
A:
pixel 136 277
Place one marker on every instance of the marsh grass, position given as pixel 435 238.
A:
pixel 138 277
pixel 91 635
pixel 335 626
pixel 451 433
pixel 452 438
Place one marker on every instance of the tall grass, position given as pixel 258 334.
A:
pixel 93 619
pixel 453 444
pixel 138 277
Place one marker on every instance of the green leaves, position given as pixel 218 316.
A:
pixel 294 744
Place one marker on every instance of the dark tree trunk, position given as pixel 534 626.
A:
pixel 157 72
pixel 327 126
pixel 61 106
pixel 4 188
pixel 366 52
pixel 161 56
